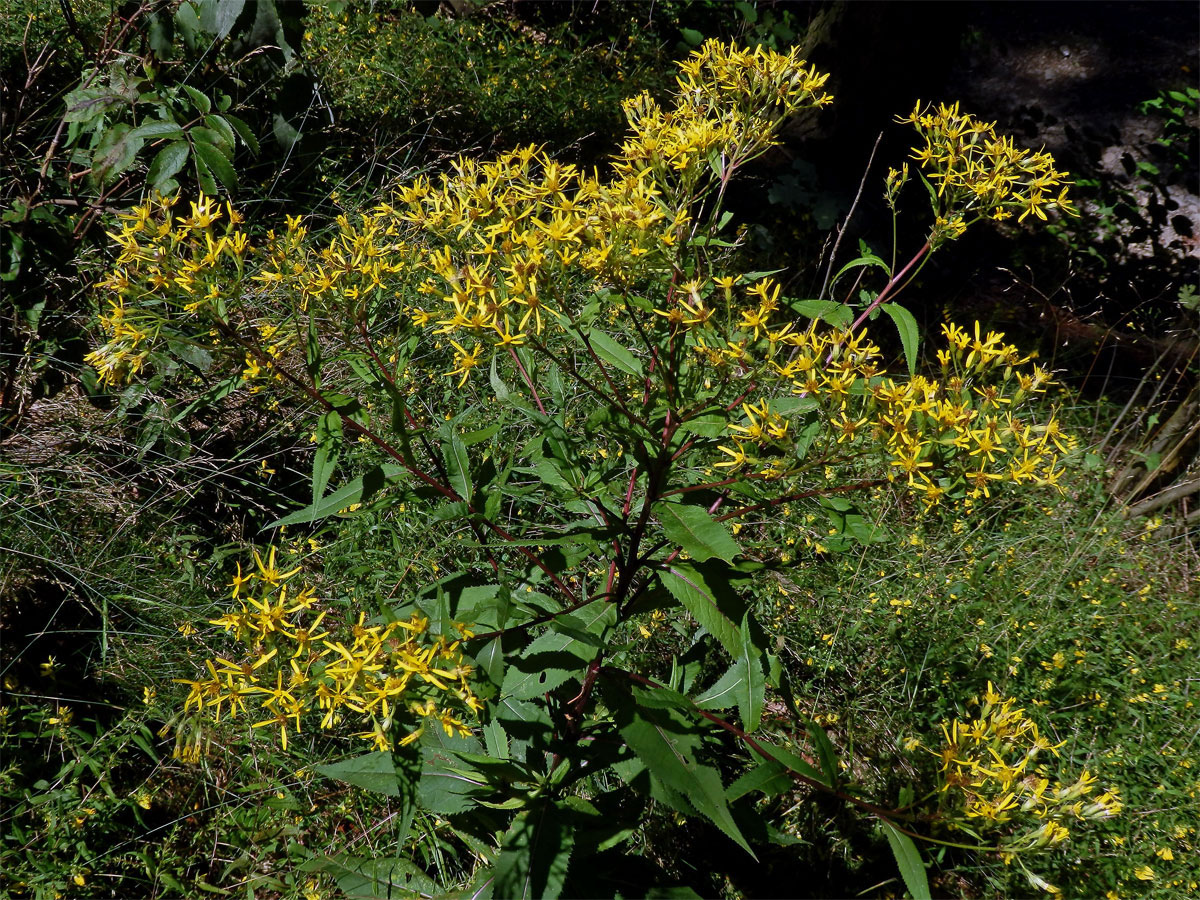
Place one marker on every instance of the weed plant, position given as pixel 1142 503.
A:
pixel 589 567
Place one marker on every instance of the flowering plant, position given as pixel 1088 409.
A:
pixel 621 413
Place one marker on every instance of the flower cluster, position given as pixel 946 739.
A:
pixel 962 431
pixel 992 780
pixel 164 258
pixel 299 664
pixel 729 105
pixel 977 173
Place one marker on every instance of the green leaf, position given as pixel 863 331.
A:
pixel 529 684
pixel 697 532
pixel 115 153
pixel 825 751
pixel 498 385
pixel 157 130
pixel 219 125
pixel 243 131
pixel 167 163
pixel 188 21
pixel 217 162
pixel 204 176
pixel 458 466
pixel 372 771
pixel 613 353
pixel 753 688
pixel 199 100
pixel 369 878
pixel 329 436
pixel 724 693
pixel 688 586
pixel 667 744
pixel 770 778
pixel 910 334
pixel 218 16
pixel 535 854
pixel 837 314
pixel 557 656
pixel 867 259
pixel 445 788
pixel 350 493
pixel 692 37
pixel 912 869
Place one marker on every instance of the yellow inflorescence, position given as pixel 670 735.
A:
pixel 184 260
pixel 991 775
pixel 962 429
pixel 489 253
pixel 977 173
pixel 299 665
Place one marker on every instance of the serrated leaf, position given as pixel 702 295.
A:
pixel 218 16
pixel 693 529
pixel 243 131
pixel 458 466
pixel 369 878
pixel 498 386
pixel 837 314
pixel 166 163
pixel 204 176
pixel 187 19
pixel 770 778
pixel 613 353
pixel 372 771
pixel 222 127
pixel 199 100
pixel 527 685
pixel 724 693
pixel 217 162
pixel 908 858
pixel 665 742
pixel 688 586
pixel 115 153
pixel 910 333
pixel 445 788
pixel 825 751
pixel 157 130
pixel 535 854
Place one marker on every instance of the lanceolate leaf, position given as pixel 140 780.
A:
pixel 367 878
pixel 217 163
pixel 693 529
pixel 688 586
pixel 613 353
pixel 725 692
pixel 329 436
pixel 667 744
pixel 753 688
pixel 912 869
pixel 157 130
pixel 458 466
pixel 910 334
pixel 535 854
pixel 770 778
pixel 348 494
pixel 115 153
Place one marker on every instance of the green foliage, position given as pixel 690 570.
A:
pixel 482 76
pixel 616 558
